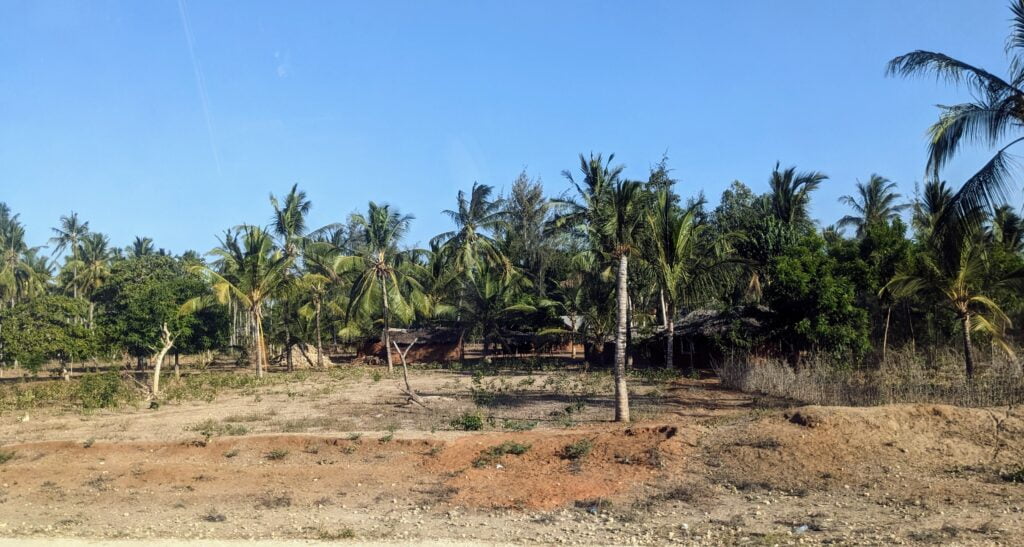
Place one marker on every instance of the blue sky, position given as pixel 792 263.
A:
pixel 101 111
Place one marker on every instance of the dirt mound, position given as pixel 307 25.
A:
pixel 556 469
pixel 815 447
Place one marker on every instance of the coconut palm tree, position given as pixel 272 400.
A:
pixel 607 214
pixel 492 299
pixel 683 259
pixel 93 267
pixel 384 284
pixel 468 244
pixel 994 118
pixel 67 236
pixel 16 258
pixel 249 270
pixel 289 220
pixel 1007 229
pixel 874 203
pixel 790 193
pixel 140 247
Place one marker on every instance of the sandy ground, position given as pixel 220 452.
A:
pixel 342 457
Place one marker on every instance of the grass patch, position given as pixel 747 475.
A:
pixel 272 501
pixel 518 425
pixel 335 535
pixel 1009 476
pixel 212 428
pixel 231 453
pixel 494 453
pixel 213 516
pixel 7 455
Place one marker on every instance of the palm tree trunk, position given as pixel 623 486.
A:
pixel 621 394
pixel 257 338
pixel 385 336
pixel 319 340
pixel 968 351
pixel 670 326
pixel 885 336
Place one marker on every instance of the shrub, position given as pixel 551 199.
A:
pixel 577 450
pixel 469 421
pixel 6 456
pixel 495 453
pixel 103 390
pixel 277 454
pixel 1009 476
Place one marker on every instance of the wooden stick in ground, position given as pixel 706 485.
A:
pixel 405 373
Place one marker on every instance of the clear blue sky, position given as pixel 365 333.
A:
pixel 407 102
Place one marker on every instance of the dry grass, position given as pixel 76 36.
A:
pixel 906 377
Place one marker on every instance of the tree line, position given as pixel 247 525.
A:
pixel 610 261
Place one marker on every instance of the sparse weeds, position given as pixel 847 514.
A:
pixel 212 428
pixel 494 453
pixel 518 425
pixel 1016 476
pixel 7 455
pixel 274 501
pixel 213 516
pixel 231 453
pixel 335 535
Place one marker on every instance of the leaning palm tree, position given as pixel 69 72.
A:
pixel 67 236
pixel 684 261
pixel 875 203
pixel 384 285
pixel 469 243
pixel 248 270
pixel 994 119
pixel 607 215
pixel 790 193
pixel 953 267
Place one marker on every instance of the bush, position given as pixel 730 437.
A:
pixel 495 453
pixel 103 390
pixel 578 450
pixel 6 456
pixel 470 421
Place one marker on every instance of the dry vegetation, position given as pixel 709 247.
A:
pixel 517 454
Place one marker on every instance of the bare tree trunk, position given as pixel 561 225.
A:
pixel 405 373
pixel 621 393
pixel 92 308
pixel 885 336
pixel 319 340
pixel 177 368
pixel 968 351
pixel 385 337
pixel 168 342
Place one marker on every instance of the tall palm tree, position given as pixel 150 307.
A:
pixel 383 280
pixel 607 215
pixel 684 261
pixel 250 270
pixel 289 220
pixel 140 247
pixel 874 203
pixel 67 236
pixel 994 118
pixel 958 274
pixel 930 207
pixel 790 193
pixel 93 267
pixel 469 243
pixel 16 257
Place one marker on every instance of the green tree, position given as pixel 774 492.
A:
pixel 249 270
pixel 874 203
pixel 790 194
pixel 384 284
pixel 66 236
pixel 48 327
pixel 465 247
pixel 141 307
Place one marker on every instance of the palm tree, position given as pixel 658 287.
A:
pixel 874 203
pixel 492 299
pixel 16 258
pixel 1007 229
pixel 67 236
pixel 607 215
pixel 383 274
pixel 995 114
pixel 140 247
pixel 289 220
pixel 683 260
pixel 463 247
pixel 790 193
pixel 93 267
pixel 250 271
pixel 930 207
pixel 957 273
